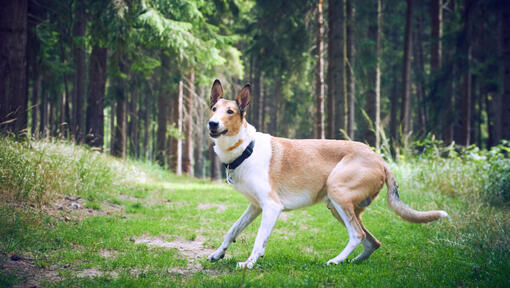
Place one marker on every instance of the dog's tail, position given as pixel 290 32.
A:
pixel 402 209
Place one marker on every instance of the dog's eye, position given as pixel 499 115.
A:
pixel 230 111
pixel 214 109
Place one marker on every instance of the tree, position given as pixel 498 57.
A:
pixel 13 69
pixel 349 70
pixel 374 94
pixel 176 164
pixel 335 108
pixel 164 92
pixel 505 114
pixel 78 102
pixel 119 140
pixel 466 100
pixel 319 84
pixel 95 100
pixel 187 160
pixel 405 115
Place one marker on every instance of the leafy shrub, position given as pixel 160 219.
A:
pixel 497 188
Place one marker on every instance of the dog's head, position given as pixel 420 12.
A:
pixel 227 116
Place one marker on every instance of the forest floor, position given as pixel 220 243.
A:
pixel 157 229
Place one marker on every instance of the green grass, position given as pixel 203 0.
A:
pixel 469 249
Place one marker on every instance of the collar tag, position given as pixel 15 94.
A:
pixel 229 178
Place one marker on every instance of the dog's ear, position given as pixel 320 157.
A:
pixel 216 93
pixel 243 98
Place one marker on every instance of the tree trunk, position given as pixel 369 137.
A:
pixel 436 17
pixel 13 69
pixel 405 115
pixel 319 77
pixel 77 119
pixel 466 101
pixel 199 133
pixel 113 109
pixel 44 114
pixel 187 160
pixel 163 110
pixel 36 98
pixel 214 164
pixel 119 146
pixel 133 120
pixel 505 107
pixel 420 77
pixel 394 110
pixel 335 104
pixel 146 122
pixel 177 123
pixel 374 93
pixel 350 76
pixel 95 99
pixel 273 128
pixel 261 106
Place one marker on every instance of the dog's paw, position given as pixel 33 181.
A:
pixel 217 255
pixel 335 261
pixel 246 264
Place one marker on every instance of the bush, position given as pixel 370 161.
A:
pixel 497 188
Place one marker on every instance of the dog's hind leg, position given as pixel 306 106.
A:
pixel 270 213
pixel 356 233
pixel 248 216
pixel 370 244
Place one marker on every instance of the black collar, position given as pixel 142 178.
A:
pixel 246 153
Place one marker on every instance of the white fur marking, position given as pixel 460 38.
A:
pixel 354 241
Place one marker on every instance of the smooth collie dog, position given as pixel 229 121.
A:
pixel 278 174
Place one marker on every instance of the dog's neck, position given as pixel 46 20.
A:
pixel 228 148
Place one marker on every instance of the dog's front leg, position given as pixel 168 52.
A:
pixel 270 213
pixel 248 216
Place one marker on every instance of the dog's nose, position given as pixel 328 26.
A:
pixel 213 125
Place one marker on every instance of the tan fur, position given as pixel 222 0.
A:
pixel 235 145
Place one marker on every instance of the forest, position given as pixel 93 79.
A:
pixel 132 78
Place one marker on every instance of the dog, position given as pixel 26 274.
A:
pixel 279 174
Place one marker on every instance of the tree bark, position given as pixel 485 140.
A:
pixel 95 99
pixel 350 76
pixel 13 69
pixel 146 122
pixel 273 128
pixel 187 160
pixel 44 115
pixel 163 109
pixel 261 106
pixel 436 17
pixel 214 164
pixel 119 146
pixel 77 119
pixel 374 94
pixel 177 123
pixel 505 113
pixel 335 104
pixel 36 98
pixel 133 121
pixel 420 76
pixel 405 115
pixel 466 101
pixel 199 135
pixel 319 77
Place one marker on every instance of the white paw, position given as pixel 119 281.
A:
pixel 217 255
pixel 246 264
pixel 335 261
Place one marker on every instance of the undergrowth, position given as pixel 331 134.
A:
pixel 35 171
